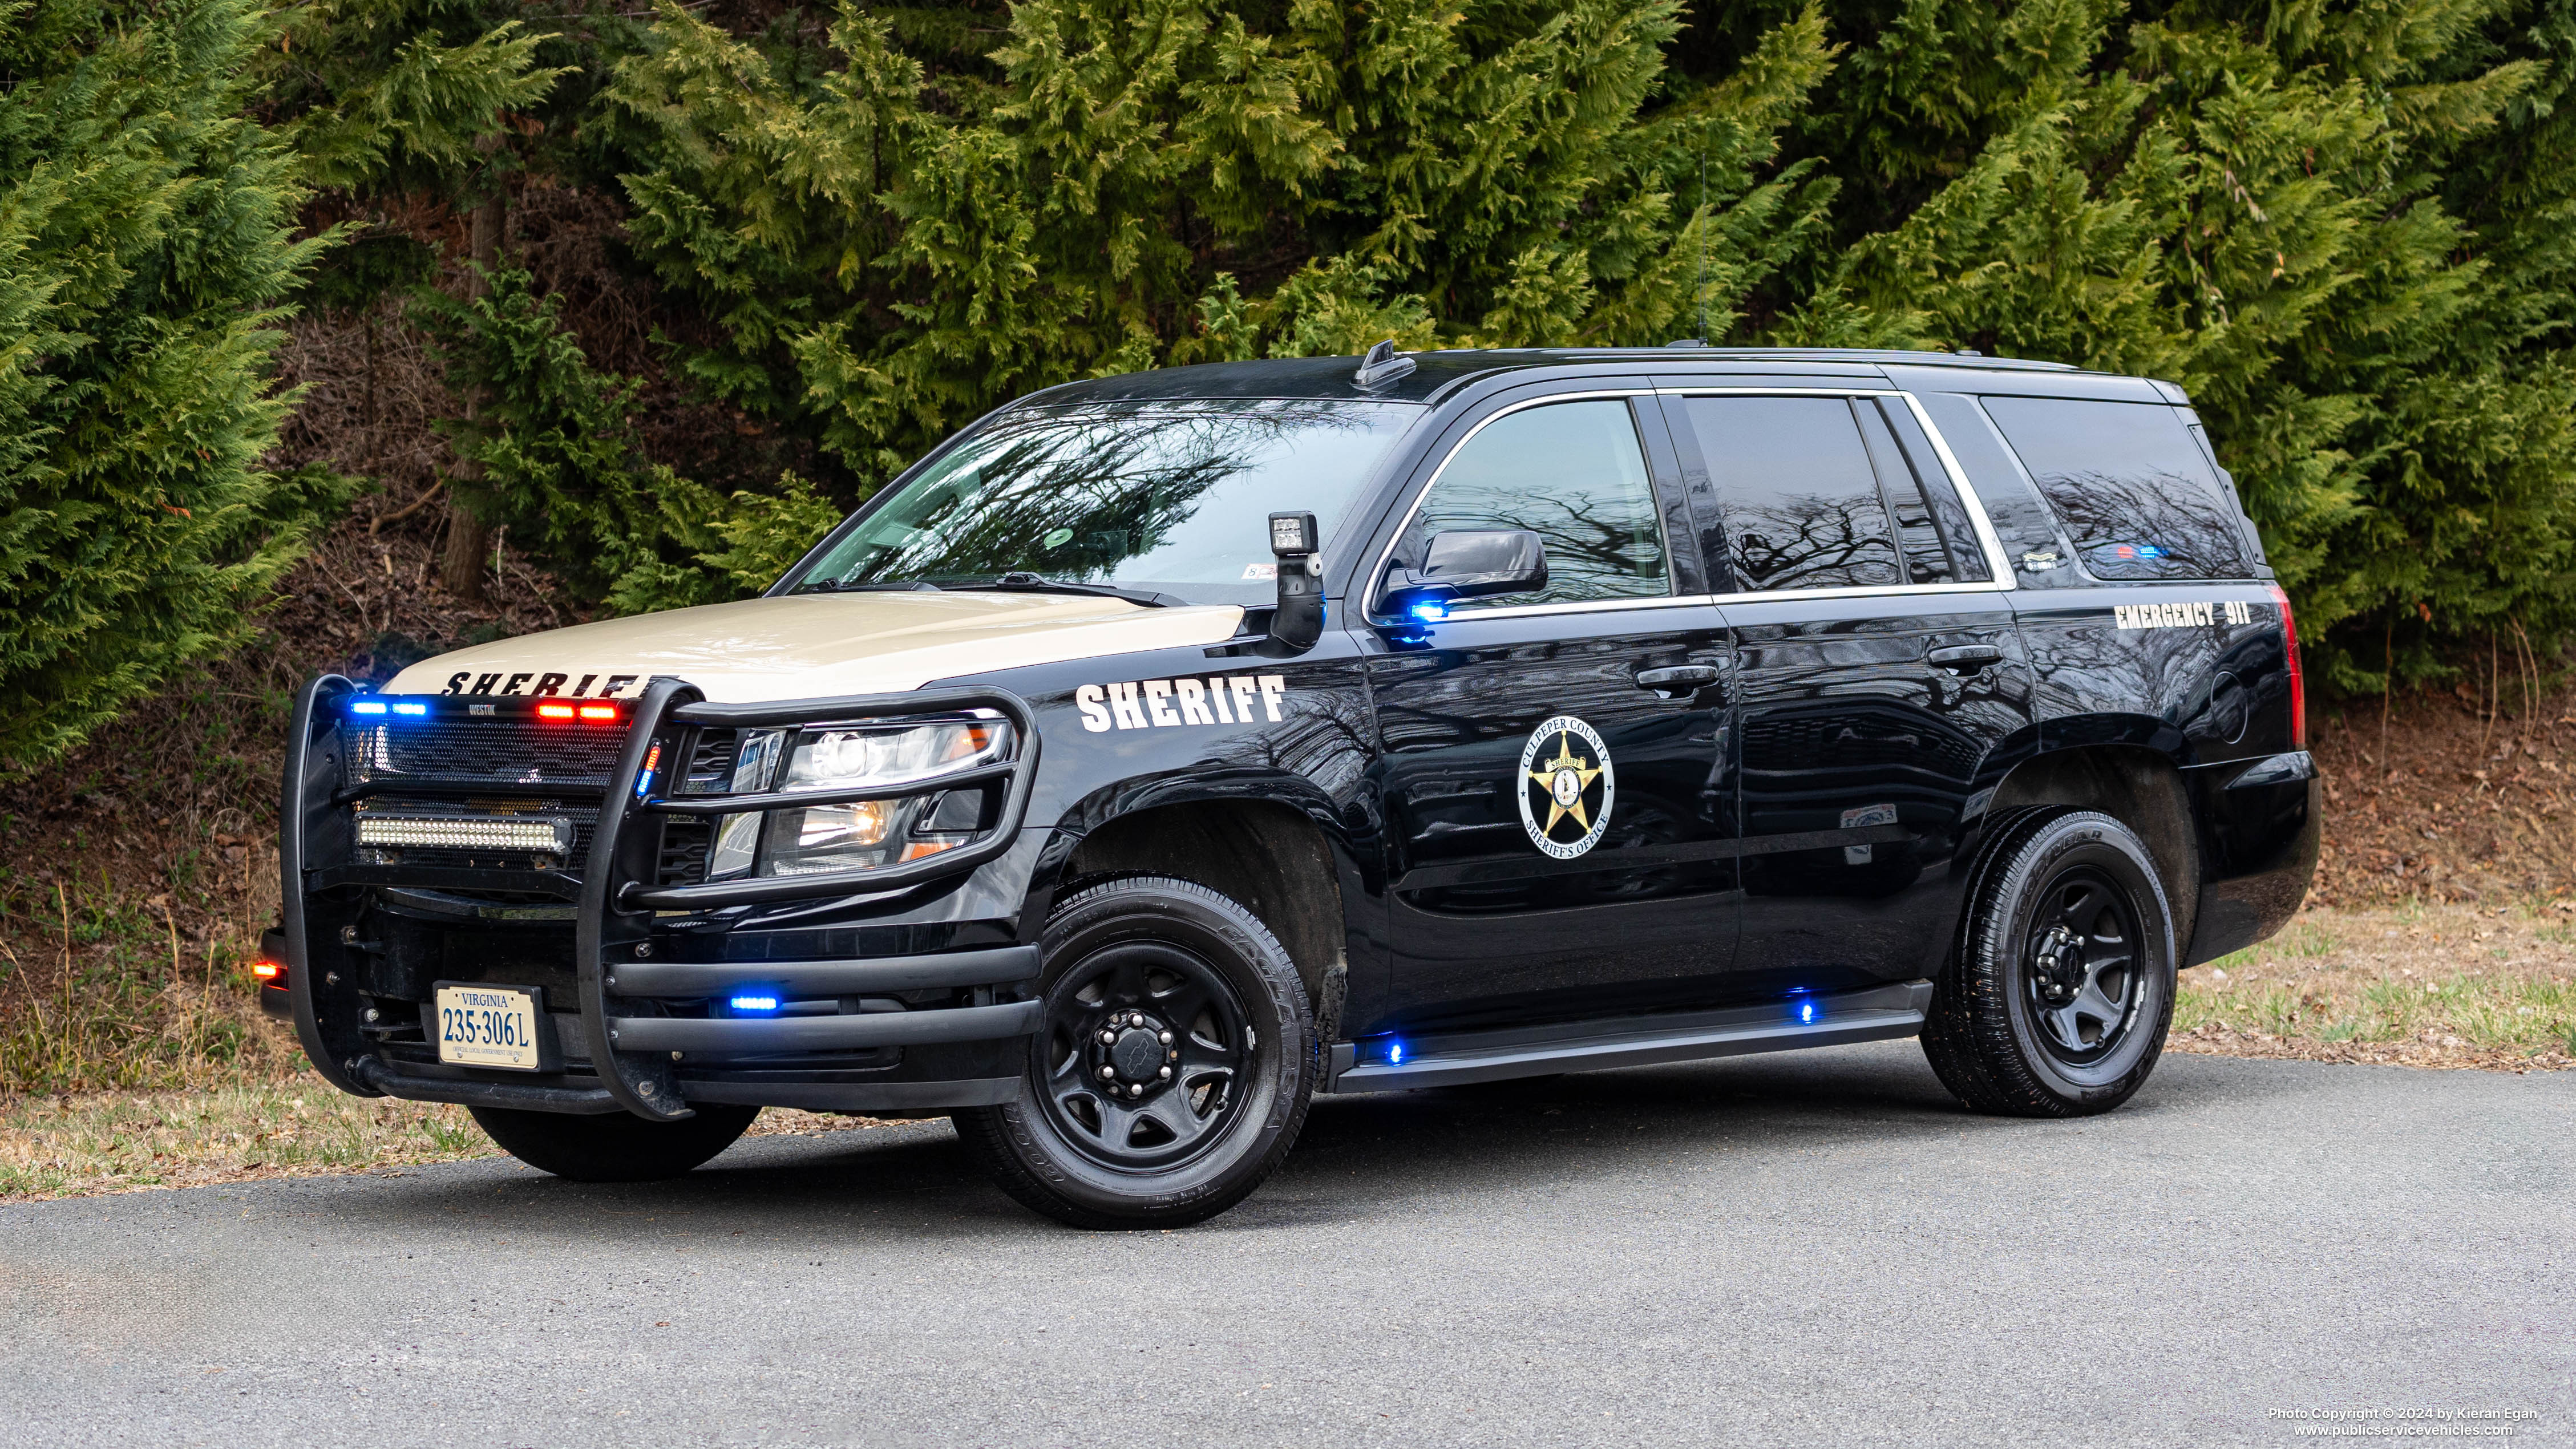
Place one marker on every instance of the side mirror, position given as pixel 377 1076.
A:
pixel 1467 564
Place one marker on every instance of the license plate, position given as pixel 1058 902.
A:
pixel 487 1026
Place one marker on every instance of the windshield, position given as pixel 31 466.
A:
pixel 1166 497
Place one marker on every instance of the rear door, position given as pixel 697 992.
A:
pixel 1559 822
pixel 1880 686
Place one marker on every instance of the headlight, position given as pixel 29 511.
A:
pixel 857 834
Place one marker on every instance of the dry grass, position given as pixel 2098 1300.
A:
pixel 294 1125
pixel 2421 986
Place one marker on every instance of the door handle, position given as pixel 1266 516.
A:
pixel 1964 657
pixel 1678 681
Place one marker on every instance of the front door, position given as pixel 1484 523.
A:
pixel 1553 776
pixel 1881 684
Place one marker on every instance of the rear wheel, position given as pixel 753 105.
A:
pixel 618 1147
pixel 2056 1001
pixel 1173 1069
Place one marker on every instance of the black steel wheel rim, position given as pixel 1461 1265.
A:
pixel 2081 976
pixel 1145 1056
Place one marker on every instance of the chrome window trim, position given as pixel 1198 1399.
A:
pixel 1377 572
pixel 1582 606
pixel 1996 563
pixel 1771 596
pixel 1862 591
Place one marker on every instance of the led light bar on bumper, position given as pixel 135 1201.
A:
pixel 520 834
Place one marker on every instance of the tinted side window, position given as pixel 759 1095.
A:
pixel 1573 474
pixel 2134 491
pixel 2023 525
pixel 1967 555
pixel 1927 560
pixel 1796 490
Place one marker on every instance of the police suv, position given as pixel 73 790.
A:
pixel 1166 749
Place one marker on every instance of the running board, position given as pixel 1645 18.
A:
pixel 1876 1014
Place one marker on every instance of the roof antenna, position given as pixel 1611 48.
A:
pixel 1382 365
pixel 1700 225
pixel 1700 288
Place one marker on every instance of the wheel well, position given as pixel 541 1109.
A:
pixel 1270 857
pixel 2134 785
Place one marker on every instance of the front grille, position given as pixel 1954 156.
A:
pixel 467 752
pixel 473 751
pixel 685 843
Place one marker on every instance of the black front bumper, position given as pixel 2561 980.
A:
pixel 644 1033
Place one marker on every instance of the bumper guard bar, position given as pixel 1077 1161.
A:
pixel 617 904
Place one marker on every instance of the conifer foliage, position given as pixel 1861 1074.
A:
pixel 144 251
pixel 2347 226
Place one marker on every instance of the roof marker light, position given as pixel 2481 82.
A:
pixel 367 706
pixel 412 707
pixel 754 1003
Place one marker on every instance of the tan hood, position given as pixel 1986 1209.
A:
pixel 804 646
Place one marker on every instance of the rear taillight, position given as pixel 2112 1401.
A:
pixel 2298 681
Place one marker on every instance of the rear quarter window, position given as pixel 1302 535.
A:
pixel 2137 497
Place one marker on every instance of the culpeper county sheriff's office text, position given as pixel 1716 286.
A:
pixel 1165 750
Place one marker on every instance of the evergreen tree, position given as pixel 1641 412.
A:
pixel 144 253
pixel 2251 200
pixel 938 220
pixel 419 98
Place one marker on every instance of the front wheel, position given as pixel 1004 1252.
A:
pixel 2057 998
pixel 1173 1068
pixel 615 1147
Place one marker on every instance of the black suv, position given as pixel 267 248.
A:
pixel 1165 749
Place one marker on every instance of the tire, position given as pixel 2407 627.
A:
pixel 614 1148
pixel 1178 977
pixel 2057 997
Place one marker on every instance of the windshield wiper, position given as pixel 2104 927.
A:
pixel 835 586
pixel 1017 582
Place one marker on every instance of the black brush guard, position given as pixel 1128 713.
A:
pixel 616 897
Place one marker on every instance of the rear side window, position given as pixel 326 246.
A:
pixel 2134 492
pixel 1927 559
pixel 1801 498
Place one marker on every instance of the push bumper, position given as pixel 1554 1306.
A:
pixel 644 1038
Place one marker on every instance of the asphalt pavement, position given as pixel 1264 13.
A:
pixel 1818 1248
